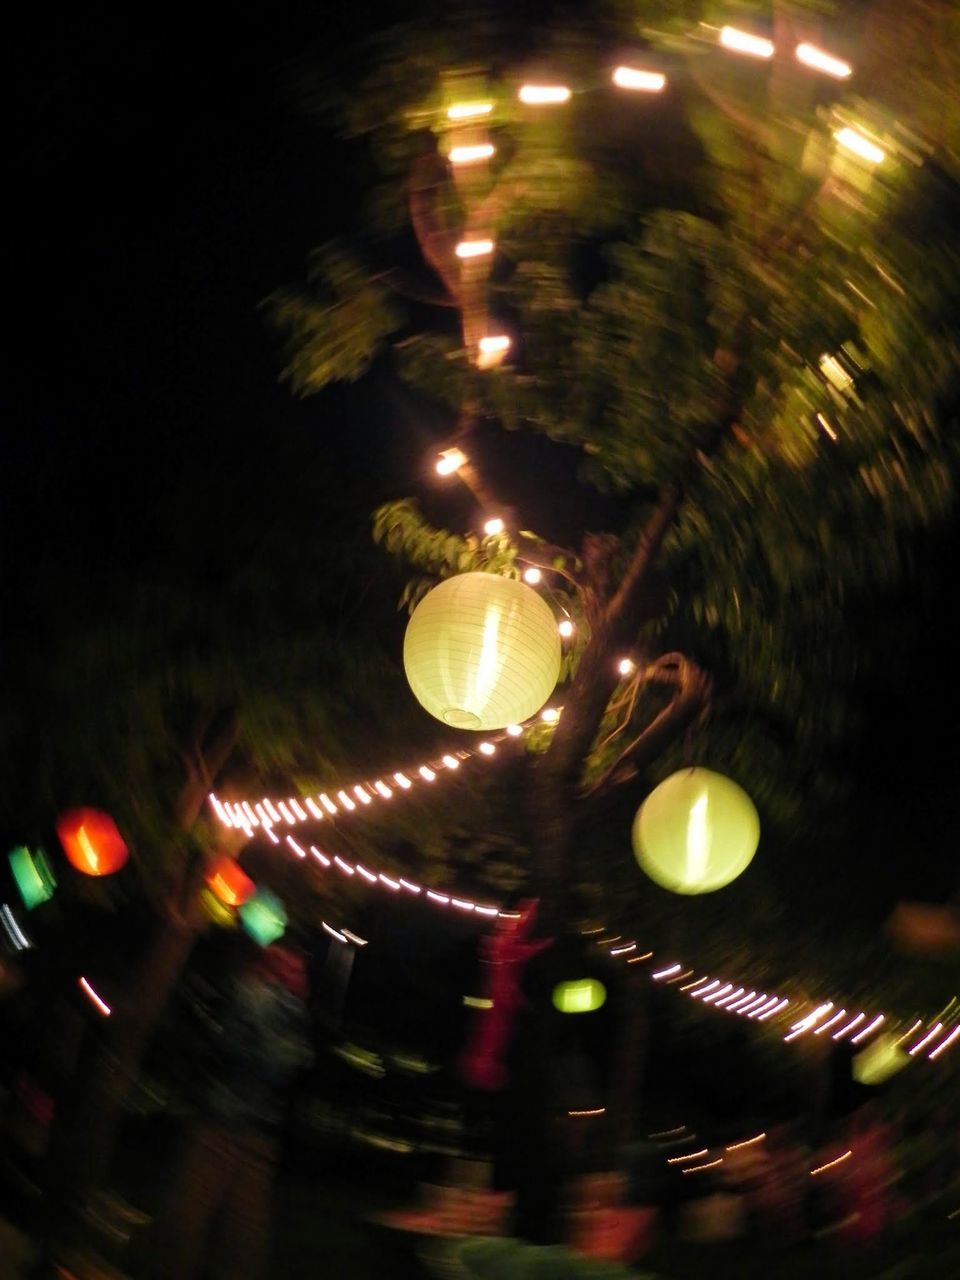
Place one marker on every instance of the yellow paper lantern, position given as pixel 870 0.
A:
pixel 881 1059
pixel 696 832
pixel 582 996
pixel 482 652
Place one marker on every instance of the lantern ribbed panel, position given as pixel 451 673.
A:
pixel 696 832
pixel 482 651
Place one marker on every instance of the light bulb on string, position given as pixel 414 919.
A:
pixel 473 248
pixel 491 350
pixel 565 627
pixel 854 141
pixel 639 81
pixel 819 60
pixel 550 715
pixel 532 575
pixel 543 95
pixel 493 526
pixel 472 154
pixel 743 42
pixel 626 666
pixel 450 461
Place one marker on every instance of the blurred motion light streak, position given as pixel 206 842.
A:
pixel 744 42
pixel 469 110
pixel 473 248
pixel 541 95
pixel 634 78
pixel 94 999
pixel 853 140
pixel 472 155
pixel 811 56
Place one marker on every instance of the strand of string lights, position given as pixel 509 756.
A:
pixel 759 1006
pixel 754 1004
pixel 265 814
pixel 762 1006
pixel 713 1157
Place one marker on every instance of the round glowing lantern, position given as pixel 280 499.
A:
pixel 226 880
pixel 696 832
pixel 92 842
pixel 264 917
pixel 482 651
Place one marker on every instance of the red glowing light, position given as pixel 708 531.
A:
pixel 92 842
pixel 229 883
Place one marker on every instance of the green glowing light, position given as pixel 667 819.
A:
pixel 477 1002
pixel 582 996
pixel 32 875
pixel 264 917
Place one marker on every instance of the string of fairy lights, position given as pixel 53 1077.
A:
pixel 930 1038
pixel 713 1156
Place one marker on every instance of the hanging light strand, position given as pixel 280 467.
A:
pixel 242 815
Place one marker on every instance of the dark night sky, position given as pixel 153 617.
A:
pixel 162 186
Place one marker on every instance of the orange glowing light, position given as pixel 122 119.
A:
pixel 229 883
pixel 92 842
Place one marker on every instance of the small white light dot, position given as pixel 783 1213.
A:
pixel 539 95
pixel 473 248
pixel 532 575
pixel 450 460
pixel 565 627
pixel 493 526
pixel 471 155
pixel 494 343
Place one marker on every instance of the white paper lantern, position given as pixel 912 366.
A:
pixel 696 832
pixel 482 651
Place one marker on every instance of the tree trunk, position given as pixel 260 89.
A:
pixel 87 1120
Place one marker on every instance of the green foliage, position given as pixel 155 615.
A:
pixel 401 529
pixel 706 291
pixel 499 1259
pixel 334 328
pixel 777 255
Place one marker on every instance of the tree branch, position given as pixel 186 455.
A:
pixel 403 283
pixel 427 176
pixel 694 689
